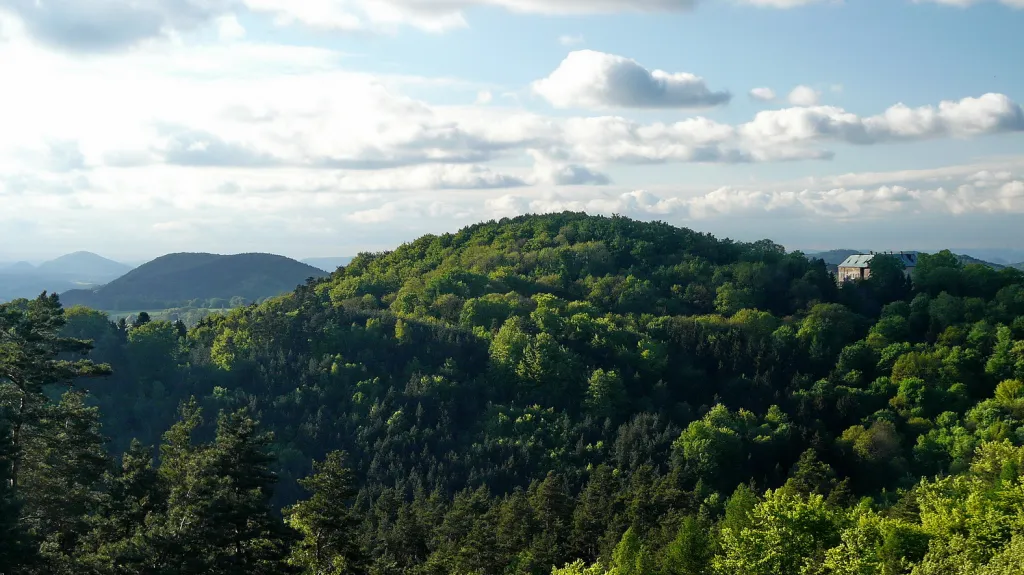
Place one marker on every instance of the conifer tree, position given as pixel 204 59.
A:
pixel 326 522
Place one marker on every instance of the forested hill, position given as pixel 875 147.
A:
pixel 176 279
pixel 597 395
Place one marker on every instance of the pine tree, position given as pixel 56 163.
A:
pixel 218 518
pixel 118 542
pixel 63 466
pixel 17 551
pixel 32 356
pixel 691 551
pixel 326 522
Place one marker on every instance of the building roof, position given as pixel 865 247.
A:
pixel 864 260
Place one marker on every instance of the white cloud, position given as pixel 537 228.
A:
pixel 570 40
pixel 804 96
pixel 763 94
pixel 229 28
pixel 590 79
pixel 484 97
pixel 102 25
pixel 248 106
pixel 834 205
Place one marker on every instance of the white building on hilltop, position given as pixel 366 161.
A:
pixel 858 267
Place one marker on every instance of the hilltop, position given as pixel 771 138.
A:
pixel 178 279
pixel 84 266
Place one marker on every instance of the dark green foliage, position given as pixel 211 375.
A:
pixel 326 522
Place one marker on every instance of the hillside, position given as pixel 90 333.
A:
pixel 175 280
pixel 551 389
pixel 546 391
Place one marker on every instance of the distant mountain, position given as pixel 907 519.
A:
pixel 85 265
pixel 1002 256
pixel 972 260
pixel 18 268
pixel 328 264
pixel 175 280
pixel 834 257
pixel 69 272
pixel 1019 266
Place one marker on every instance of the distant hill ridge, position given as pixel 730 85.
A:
pixel 175 279
pixel 85 264
pixel 68 272
pixel 329 264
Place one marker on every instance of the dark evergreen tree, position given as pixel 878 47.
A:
pixel 326 522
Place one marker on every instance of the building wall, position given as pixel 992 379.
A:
pixel 850 274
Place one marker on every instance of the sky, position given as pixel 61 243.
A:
pixel 331 127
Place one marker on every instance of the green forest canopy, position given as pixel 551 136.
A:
pixel 563 392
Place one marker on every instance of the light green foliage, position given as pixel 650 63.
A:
pixel 154 349
pixel 787 534
pixel 692 550
pixel 580 568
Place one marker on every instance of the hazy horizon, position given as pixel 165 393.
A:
pixel 1008 255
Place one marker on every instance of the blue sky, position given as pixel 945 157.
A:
pixel 335 126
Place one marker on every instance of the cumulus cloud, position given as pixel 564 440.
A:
pixel 763 94
pixel 103 25
pixel 247 106
pixel 804 96
pixel 591 79
pixel 550 172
